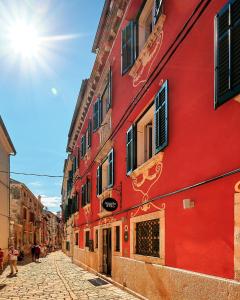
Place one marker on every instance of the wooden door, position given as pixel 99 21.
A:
pixel 107 251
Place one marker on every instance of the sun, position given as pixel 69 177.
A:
pixel 24 39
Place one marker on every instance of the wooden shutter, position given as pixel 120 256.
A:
pixel 131 149
pixel 109 103
pixel 110 168
pixel 99 180
pixel 128 46
pixel 227 53
pixel 161 118
pixel 89 132
pixel 95 115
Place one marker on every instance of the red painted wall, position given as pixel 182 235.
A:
pixel 203 143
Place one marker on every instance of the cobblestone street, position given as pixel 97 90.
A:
pixel 55 277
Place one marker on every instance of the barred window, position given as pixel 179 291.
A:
pixel 147 238
pixel 117 232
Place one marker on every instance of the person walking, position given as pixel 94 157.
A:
pixel 1 260
pixel 12 255
pixel 33 252
pixel 37 252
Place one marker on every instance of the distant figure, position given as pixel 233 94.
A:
pixel 37 252
pixel 12 255
pixel 21 254
pixel 33 252
pixel 1 259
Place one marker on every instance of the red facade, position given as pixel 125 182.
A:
pixel 203 142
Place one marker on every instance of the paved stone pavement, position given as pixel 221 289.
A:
pixel 55 277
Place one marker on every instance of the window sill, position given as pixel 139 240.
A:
pixel 149 259
pixel 146 52
pixel 147 165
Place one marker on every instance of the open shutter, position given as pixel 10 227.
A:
pixel 99 180
pixel 110 168
pixel 131 149
pixel 157 9
pixel 128 46
pixel 83 196
pixel 99 111
pixel 82 146
pixel 88 190
pixel 227 53
pixel 109 103
pixel 161 118
pixel 95 115
pixel 89 132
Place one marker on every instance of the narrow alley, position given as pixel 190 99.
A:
pixel 55 277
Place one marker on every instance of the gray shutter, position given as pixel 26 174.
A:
pixel 128 46
pixel 95 115
pixel 110 168
pixel 99 180
pixel 161 118
pixel 131 148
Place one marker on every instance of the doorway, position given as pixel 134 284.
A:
pixel 107 251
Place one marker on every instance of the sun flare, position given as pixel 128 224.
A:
pixel 24 39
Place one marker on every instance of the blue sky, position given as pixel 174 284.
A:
pixel 38 93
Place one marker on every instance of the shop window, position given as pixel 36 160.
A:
pixel 76 238
pixel 149 134
pixel 117 237
pixel 227 53
pixel 105 173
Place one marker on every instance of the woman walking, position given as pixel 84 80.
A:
pixel 12 255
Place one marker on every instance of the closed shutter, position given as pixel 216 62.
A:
pixel 128 46
pixel 110 168
pixel 83 195
pixel 88 191
pixel 109 103
pixel 99 180
pixel 227 53
pixel 82 146
pixel 161 118
pixel 95 115
pixel 131 148
pixel 99 112
pixel 89 132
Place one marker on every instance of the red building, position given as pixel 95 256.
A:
pixel 155 140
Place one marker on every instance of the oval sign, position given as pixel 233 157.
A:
pixel 110 204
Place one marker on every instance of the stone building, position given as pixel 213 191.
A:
pixel 52 229
pixel 25 216
pixel 6 149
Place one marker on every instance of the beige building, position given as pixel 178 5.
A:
pixel 6 149
pixel 25 216
pixel 53 236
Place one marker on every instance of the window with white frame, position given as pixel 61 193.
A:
pixel 105 173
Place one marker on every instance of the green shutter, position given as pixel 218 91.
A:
pixel 99 112
pixel 161 118
pixel 89 132
pixel 83 195
pixel 157 10
pixel 82 146
pixel 110 168
pixel 128 46
pixel 95 115
pixel 99 180
pixel 88 191
pixel 227 52
pixel 131 148
pixel 109 103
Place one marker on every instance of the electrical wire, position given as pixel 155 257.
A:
pixel 34 174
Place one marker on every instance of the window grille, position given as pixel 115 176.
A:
pixel 147 238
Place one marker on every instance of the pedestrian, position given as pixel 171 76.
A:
pixel 1 259
pixel 33 252
pixel 12 256
pixel 37 252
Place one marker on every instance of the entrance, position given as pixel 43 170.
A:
pixel 107 251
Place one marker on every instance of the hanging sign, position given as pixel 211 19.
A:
pixel 110 204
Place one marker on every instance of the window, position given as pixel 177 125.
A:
pixel 76 238
pixel 87 238
pixel 149 134
pixel 97 114
pixel 106 98
pixel 105 173
pixel 136 33
pixel 117 236
pixel 227 53
pixel 86 193
pixel 83 145
pixel 89 134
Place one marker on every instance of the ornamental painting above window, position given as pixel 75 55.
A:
pixel 227 53
pixel 141 41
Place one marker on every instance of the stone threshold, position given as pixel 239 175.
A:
pixel 107 278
